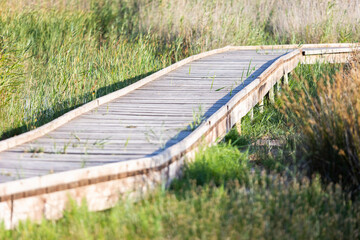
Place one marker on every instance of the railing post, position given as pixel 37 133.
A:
pixel 261 105
pixel 271 95
pixel 286 78
pixel 251 114
pixel 278 88
pixel 238 126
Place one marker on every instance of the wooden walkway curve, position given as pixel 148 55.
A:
pixel 137 137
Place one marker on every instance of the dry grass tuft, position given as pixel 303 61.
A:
pixel 217 23
pixel 211 24
pixel 328 111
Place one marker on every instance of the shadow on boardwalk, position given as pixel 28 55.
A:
pixel 188 130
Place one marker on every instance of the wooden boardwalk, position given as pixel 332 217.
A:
pixel 143 122
pixel 134 138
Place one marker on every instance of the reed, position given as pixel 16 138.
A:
pixel 70 52
pixel 328 111
pixel 65 58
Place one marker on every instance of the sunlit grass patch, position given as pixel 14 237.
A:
pixel 216 165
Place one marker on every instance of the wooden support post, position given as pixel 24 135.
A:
pixel 271 95
pixel 261 105
pixel 238 126
pixel 251 114
pixel 286 78
pixel 278 88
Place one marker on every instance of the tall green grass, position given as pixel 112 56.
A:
pixel 68 53
pixel 11 73
pixel 67 58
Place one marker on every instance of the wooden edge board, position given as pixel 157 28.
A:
pixel 295 46
pixel 327 51
pixel 46 128
pixel 331 45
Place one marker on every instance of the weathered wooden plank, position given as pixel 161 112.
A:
pixel 163 108
pixel 122 138
pixel 188 79
pixel 201 71
pixel 202 90
pixel 15 158
pixel 142 101
pixel 212 98
pixel 145 117
pixel 79 147
pixel 207 92
pixel 222 64
pixel 91 150
pixel 132 130
pixel 238 57
pixel 113 124
pixel 38 166
pixel 209 95
pixel 122 117
pixel 81 137
pixel 159 114
pixel 209 84
pixel 144 111
pixel 216 66
pixel 5 176
pixel 124 126
pixel 212 73
pixel 200 83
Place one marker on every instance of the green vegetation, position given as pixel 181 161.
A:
pixel 55 56
pixel 327 111
pixel 272 208
pixel 294 171
pixel 67 58
pixel 244 188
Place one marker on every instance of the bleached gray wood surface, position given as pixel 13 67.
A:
pixel 143 122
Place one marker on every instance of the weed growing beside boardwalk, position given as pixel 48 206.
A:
pixel 68 54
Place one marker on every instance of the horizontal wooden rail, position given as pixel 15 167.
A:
pixel 327 51
pixel 102 186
